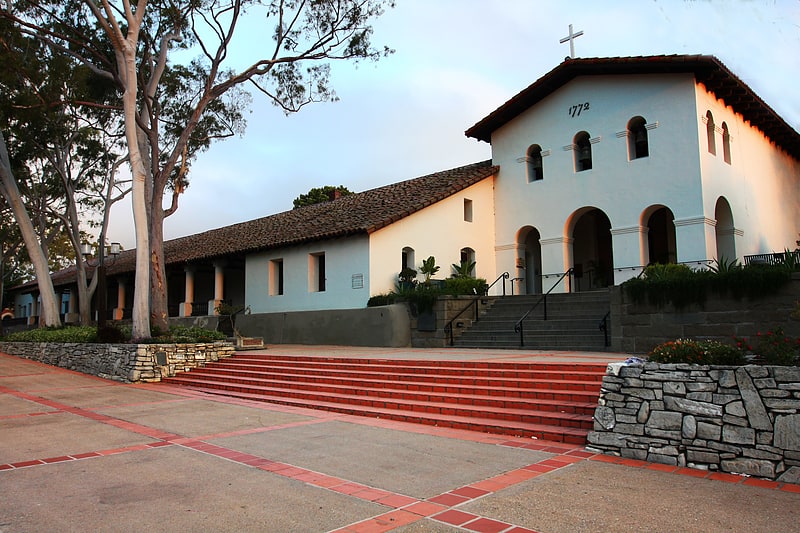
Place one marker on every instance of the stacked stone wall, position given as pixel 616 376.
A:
pixel 743 420
pixel 122 362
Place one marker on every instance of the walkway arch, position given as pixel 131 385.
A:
pixel 725 230
pixel 589 231
pixel 529 264
pixel 661 241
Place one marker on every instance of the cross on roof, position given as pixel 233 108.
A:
pixel 571 38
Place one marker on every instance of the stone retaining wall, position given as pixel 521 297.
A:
pixel 122 362
pixel 743 420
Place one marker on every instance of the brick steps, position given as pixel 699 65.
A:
pixel 552 402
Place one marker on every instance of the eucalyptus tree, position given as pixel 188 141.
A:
pixel 64 158
pixel 174 107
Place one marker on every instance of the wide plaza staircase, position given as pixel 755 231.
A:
pixel 573 323
pixel 549 401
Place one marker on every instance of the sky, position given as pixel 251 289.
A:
pixel 456 61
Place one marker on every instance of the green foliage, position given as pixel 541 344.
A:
pixel 463 269
pixel 681 286
pixel 111 334
pixel 319 195
pixel 465 286
pixel 378 300
pixel 698 352
pixel 429 268
pixel 66 334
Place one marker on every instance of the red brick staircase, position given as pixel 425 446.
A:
pixel 549 401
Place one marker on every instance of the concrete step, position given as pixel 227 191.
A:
pixel 547 401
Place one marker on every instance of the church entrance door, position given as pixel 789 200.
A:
pixel 661 240
pixel 531 251
pixel 592 254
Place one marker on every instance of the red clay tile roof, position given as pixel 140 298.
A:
pixel 707 70
pixel 359 213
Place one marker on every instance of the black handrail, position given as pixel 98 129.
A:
pixel 448 328
pixel 518 326
pixel 504 276
pixel 604 328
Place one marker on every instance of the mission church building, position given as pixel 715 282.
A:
pixel 603 164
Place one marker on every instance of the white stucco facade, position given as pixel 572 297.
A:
pixel 566 210
pixel 345 273
pixel 464 220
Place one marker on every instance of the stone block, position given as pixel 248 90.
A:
pixel 775 393
pixel 607 439
pixel 762 454
pixel 700 396
pixel 791 475
pixel 645 394
pixel 692 407
pixel 738 435
pixel 700 456
pixel 725 448
pixel 665 420
pixel 605 417
pixel 736 409
pixel 701 387
pixel 756 412
pixel 674 389
pixel 630 429
pixel 786 374
pixel 630 371
pixel 643 414
pixel 787 404
pixel 662 459
pixel 689 427
pixel 755 371
pixel 751 467
pixel 633 382
pixel 633 453
pixel 765 383
pixel 787 432
pixel 724 399
pixel 734 420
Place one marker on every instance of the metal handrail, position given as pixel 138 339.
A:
pixel 604 328
pixel 448 328
pixel 504 276
pixel 518 326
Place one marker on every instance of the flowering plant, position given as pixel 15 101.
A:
pixel 698 352
pixel 771 348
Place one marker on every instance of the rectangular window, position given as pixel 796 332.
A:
pixel 276 277
pixel 316 272
pixel 467 210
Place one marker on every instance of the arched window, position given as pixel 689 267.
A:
pixel 583 152
pixel 638 145
pixel 726 143
pixel 468 260
pixel 407 260
pixel 534 159
pixel 711 134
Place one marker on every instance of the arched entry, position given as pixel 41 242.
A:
pixel 592 254
pixel 725 230
pixel 529 267
pixel 661 241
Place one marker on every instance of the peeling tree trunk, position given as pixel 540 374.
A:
pixel 49 311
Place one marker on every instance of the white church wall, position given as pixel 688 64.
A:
pixel 346 273
pixel 439 230
pixel 621 188
pixel 761 183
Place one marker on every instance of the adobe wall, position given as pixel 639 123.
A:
pixel 121 362
pixel 638 328
pixel 743 420
pixel 371 326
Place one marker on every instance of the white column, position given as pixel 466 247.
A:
pixel 186 306
pixel 219 287
pixel 556 259
pixel 629 246
pixel 696 240
pixel 119 310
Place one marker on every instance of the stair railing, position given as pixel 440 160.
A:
pixel 604 328
pixel 448 328
pixel 543 300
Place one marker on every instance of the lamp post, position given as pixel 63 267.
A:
pixel 86 252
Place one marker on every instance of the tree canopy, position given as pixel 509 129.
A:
pixel 319 195
pixel 170 63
